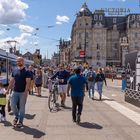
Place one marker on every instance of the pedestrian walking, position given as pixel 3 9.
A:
pixel 91 76
pixel 38 81
pixel 21 79
pixel 77 84
pixel 49 81
pixel 123 81
pixel 32 73
pixel 2 102
pixel 100 77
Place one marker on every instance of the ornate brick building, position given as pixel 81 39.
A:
pixel 105 39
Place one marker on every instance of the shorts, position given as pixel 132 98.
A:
pixel 62 88
pixel 38 85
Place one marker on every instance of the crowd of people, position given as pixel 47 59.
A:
pixel 75 81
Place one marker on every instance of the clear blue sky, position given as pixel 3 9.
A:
pixel 43 13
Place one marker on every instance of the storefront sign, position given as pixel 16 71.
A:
pixel 114 11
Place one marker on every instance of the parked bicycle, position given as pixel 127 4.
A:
pixel 53 97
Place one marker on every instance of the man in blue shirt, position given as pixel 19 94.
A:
pixel 77 83
pixel 20 83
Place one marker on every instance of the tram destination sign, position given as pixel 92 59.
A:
pixel 114 11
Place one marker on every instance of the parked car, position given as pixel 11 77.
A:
pixel 119 73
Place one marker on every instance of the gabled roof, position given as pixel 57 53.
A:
pixel 84 11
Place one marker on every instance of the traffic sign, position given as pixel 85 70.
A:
pixel 82 53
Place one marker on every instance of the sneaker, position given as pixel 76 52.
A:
pixel 74 120
pixel 88 96
pixel 100 98
pixel 92 98
pixel 3 119
pixel 15 121
pixel 56 104
pixel 63 105
pixel 78 119
pixel 19 125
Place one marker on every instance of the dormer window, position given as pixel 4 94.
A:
pixel 133 17
pixel 100 17
pixel 95 17
pixel 138 17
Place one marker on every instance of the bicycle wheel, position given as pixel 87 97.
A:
pixel 51 102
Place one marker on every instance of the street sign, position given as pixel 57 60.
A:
pixel 82 53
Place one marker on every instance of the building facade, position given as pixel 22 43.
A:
pixel 100 37
pixel 64 52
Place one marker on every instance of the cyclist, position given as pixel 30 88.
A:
pixel 62 76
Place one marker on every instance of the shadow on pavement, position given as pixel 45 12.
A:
pixel 104 99
pixel 90 125
pixel 29 116
pixel 7 123
pixel 108 100
pixel 30 131
pixel 42 96
pixel 67 107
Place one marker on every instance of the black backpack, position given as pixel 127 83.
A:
pixel 91 76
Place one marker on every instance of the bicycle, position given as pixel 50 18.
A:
pixel 53 97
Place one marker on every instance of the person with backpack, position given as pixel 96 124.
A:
pixel 100 78
pixel 91 76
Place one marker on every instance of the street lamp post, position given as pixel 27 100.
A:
pixel 85 47
pixel 7 69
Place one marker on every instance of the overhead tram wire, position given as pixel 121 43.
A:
pixel 33 34
pixel 54 39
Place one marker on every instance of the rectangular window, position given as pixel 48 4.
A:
pixel 98 47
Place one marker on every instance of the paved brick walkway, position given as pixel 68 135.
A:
pixel 99 120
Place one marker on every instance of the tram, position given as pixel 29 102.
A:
pixel 7 64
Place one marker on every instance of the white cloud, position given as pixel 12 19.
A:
pixel 3 44
pixel 2 32
pixel 58 22
pixel 23 38
pixel 12 11
pixel 26 28
pixel 62 19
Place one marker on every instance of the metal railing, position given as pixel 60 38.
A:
pixel 131 93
